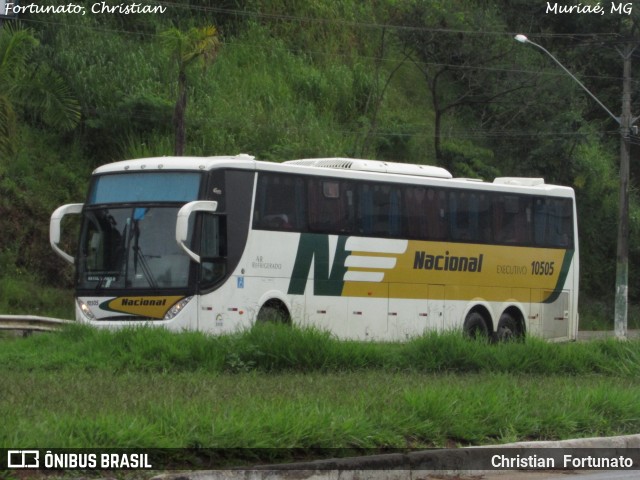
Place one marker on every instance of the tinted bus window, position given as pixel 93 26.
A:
pixel 512 219
pixel 331 206
pixel 553 222
pixel 280 202
pixel 380 210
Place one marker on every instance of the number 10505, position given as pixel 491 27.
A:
pixel 542 268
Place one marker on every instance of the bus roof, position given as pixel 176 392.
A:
pixel 206 163
pixel 172 163
pixel 347 167
pixel 374 166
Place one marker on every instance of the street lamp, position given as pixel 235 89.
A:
pixel 625 121
pixel 524 39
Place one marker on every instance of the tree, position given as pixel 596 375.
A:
pixel 377 92
pixel 197 45
pixel 456 49
pixel 34 88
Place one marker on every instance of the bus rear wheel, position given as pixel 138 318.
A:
pixel 475 326
pixel 509 329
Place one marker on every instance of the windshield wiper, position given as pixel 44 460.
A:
pixel 144 266
pixel 137 253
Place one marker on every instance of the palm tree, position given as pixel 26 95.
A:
pixel 197 45
pixel 32 87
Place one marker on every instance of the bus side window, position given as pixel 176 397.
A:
pixel 513 219
pixel 330 206
pixel 564 230
pixel 414 212
pixel 468 216
pixel 540 218
pixel 436 214
pixel 553 222
pixel 395 218
pixel 380 210
pixel 485 230
pixel 278 202
pixel 365 209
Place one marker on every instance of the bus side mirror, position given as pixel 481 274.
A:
pixel 55 229
pixel 182 223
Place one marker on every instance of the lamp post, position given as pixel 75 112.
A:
pixel 625 121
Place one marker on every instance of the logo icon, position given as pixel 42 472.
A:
pixel 23 459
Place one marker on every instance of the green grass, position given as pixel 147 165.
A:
pixel 275 348
pixel 23 294
pixel 279 388
pixel 370 409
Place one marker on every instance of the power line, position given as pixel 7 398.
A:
pixel 417 130
pixel 351 23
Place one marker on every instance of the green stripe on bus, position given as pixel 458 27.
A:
pixel 315 248
pixel 564 271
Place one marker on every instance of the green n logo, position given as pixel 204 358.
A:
pixel 315 248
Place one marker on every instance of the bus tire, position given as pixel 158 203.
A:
pixel 509 329
pixel 274 311
pixel 475 326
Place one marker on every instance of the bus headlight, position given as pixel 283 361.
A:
pixel 86 311
pixel 177 308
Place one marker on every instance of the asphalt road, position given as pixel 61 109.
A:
pixel 427 465
pixel 569 475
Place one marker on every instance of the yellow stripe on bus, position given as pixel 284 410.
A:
pixel 144 306
pixel 468 271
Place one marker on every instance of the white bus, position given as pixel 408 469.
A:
pixel 364 249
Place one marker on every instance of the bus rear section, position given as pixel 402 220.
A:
pixel 389 256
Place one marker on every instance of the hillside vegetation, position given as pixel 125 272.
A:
pixel 439 82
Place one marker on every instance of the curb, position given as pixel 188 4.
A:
pixel 397 466
pixel 624 441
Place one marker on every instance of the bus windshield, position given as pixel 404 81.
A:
pixel 131 247
pixel 145 187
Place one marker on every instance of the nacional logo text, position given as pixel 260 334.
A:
pixel 447 263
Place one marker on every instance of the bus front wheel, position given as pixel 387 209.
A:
pixel 475 326
pixel 274 311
